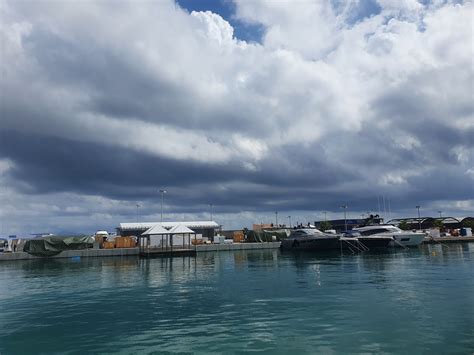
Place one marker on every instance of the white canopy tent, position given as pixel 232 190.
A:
pixel 181 229
pixel 179 233
pixel 155 236
pixel 159 237
pixel 157 229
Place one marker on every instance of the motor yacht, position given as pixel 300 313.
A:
pixel 399 237
pixel 310 239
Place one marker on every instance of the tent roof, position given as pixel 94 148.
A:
pixel 157 229
pixel 180 229
pixel 189 224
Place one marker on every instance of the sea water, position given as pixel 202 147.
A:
pixel 402 301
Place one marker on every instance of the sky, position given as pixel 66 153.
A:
pixel 253 107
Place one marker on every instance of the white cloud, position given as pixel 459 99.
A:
pixel 5 166
pixel 463 154
pixel 470 172
pixel 398 177
pixel 215 28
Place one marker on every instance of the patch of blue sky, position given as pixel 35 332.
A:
pixel 226 9
pixel 363 9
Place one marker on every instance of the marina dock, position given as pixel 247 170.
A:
pixel 236 246
pixel 72 254
pixel 135 252
pixel 448 240
pixel 152 252
pixel 202 248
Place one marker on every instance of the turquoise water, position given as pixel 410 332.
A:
pixel 416 301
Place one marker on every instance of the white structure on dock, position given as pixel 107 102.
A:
pixel 159 240
pixel 204 229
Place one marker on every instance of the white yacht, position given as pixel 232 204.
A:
pixel 400 237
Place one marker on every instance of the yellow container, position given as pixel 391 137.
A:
pixel 119 242
pixel 109 245
pixel 238 236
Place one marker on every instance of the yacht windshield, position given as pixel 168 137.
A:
pixel 374 231
pixel 379 230
pixel 305 232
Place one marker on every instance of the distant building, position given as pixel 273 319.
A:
pixel 430 222
pixel 206 228
pixel 261 226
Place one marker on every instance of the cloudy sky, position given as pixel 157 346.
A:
pixel 251 106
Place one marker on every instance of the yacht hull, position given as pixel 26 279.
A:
pixel 400 238
pixel 407 240
pixel 375 243
pixel 310 244
pixel 364 243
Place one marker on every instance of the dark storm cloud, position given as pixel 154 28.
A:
pixel 51 164
pixel 425 108
pixel 118 85
pixel 115 83
pixel 294 166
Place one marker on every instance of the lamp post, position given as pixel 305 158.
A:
pixel 345 218
pixel 276 219
pixel 440 212
pixel 419 219
pixel 325 216
pixel 137 211
pixel 289 220
pixel 162 192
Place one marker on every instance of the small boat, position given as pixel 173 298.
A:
pixel 399 237
pixel 310 239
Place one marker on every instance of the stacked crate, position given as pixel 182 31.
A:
pixel 124 242
pixel 108 245
pixel 238 236
pixel 99 240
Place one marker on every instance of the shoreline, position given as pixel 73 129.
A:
pixel 134 252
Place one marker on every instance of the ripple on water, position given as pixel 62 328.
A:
pixel 249 301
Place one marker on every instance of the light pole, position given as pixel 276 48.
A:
pixel 325 216
pixel 440 212
pixel 137 211
pixel 276 219
pixel 345 218
pixel 162 192
pixel 419 219
pixel 289 220
pixel 210 206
